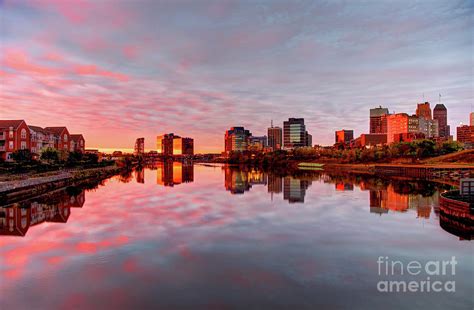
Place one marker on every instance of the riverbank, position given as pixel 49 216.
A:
pixel 15 190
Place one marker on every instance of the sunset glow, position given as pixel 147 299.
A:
pixel 118 70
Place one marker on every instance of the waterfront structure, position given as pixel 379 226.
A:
pixel 61 137
pixel 40 139
pixel 440 113
pixel 14 135
pixel 275 138
pixel 170 144
pixel 237 139
pixel 465 134
pixel 139 148
pixel 423 110
pixel 344 136
pixel 257 143
pixel 378 120
pixel 295 134
pixel 78 143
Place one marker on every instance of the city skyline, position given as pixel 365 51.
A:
pixel 231 64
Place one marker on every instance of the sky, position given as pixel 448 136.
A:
pixel 118 70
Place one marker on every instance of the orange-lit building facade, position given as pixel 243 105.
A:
pixel 14 135
pixel 423 110
pixel 344 136
pixel 378 120
pixel 237 139
pixel 465 134
pixel 275 138
pixel 170 173
pixel 172 145
pixel 403 127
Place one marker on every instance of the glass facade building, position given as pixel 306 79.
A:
pixel 295 134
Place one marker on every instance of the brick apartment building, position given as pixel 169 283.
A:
pixel 17 135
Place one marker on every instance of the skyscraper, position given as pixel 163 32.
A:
pixel 378 120
pixel 237 139
pixel 401 125
pixel 274 137
pixel 471 122
pixel 423 110
pixel 295 134
pixel 170 144
pixel 139 147
pixel 440 113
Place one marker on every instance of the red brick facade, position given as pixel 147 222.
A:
pixel 17 135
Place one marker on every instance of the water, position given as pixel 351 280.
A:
pixel 207 237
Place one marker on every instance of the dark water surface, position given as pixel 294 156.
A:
pixel 207 237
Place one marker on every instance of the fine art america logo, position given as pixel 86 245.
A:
pixel 415 276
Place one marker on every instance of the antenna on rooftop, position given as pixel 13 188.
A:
pixel 272 123
pixel 439 98
pixel 423 97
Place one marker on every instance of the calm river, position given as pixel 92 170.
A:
pixel 177 236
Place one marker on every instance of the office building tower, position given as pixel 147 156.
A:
pixel 378 120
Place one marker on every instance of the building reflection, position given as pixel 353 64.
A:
pixel 140 175
pixel 16 219
pixel 239 181
pixel 169 173
pixel 294 189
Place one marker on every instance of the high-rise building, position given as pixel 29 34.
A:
pixel 139 146
pixel 423 110
pixel 258 143
pixel 183 146
pixel 295 134
pixel 440 113
pixel 428 127
pixel 169 145
pixel 378 120
pixel 275 138
pixel 237 139
pixel 465 134
pixel 344 136
pixel 471 122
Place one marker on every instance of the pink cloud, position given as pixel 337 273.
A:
pixel 94 70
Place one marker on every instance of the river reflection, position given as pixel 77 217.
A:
pixel 225 237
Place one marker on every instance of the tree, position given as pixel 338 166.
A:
pixel 22 156
pixel 50 155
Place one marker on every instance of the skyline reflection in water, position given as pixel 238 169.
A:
pixel 181 235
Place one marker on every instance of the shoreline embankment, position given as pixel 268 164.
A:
pixel 11 191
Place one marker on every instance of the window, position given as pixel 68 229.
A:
pixel 11 134
pixel 10 145
pixel 23 145
pixel 65 137
pixel 23 133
